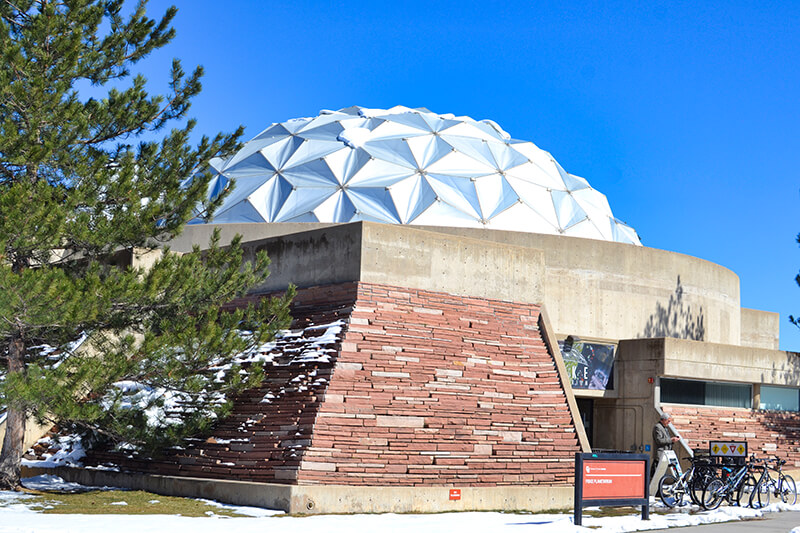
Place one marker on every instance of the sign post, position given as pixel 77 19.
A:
pixel 613 480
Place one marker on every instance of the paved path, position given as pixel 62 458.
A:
pixel 771 523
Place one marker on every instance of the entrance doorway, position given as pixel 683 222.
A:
pixel 586 409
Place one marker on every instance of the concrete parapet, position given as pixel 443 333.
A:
pixel 760 329
pixel 345 499
pixel 595 289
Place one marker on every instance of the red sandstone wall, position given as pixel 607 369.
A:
pixel 422 388
pixel 433 389
pixel 263 441
pixel 766 432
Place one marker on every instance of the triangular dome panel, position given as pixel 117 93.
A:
pixel 494 194
pixel 337 207
pixel 520 217
pixel 473 147
pixel 567 209
pixel 379 173
pixel 444 214
pixel 278 153
pixel 392 150
pixel 316 173
pixel 269 198
pixel 411 197
pixel 306 201
pixel 428 149
pixel 311 150
pixel 374 202
pixel 457 192
pixel 537 198
pixel 346 163
pixel 240 212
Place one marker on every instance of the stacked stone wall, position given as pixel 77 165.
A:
pixel 270 427
pixel 767 433
pixel 416 388
pixel 431 388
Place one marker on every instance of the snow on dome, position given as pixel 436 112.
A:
pixel 407 166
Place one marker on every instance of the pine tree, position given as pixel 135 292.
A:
pixel 82 187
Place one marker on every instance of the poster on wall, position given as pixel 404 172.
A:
pixel 590 365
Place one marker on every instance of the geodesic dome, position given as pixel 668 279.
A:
pixel 407 166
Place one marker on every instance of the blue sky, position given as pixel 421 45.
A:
pixel 685 114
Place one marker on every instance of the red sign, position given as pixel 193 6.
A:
pixel 608 480
pixel 455 494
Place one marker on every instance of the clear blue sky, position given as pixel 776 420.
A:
pixel 686 116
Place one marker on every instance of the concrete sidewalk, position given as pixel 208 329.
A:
pixel 771 523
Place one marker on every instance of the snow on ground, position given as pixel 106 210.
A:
pixel 19 514
pixel 48 482
pixel 62 450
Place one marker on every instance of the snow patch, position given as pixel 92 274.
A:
pixel 63 451
pixel 51 483
pixel 355 137
pixel 496 127
pixel 243 510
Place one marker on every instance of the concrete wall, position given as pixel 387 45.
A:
pixel 718 362
pixel 381 253
pixel 318 257
pixel 451 264
pixel 620 291
pixel 200 234
pixel 33 432
pixel 310 499
pixel 592 288
pixel 760 329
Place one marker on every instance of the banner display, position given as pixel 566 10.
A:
pixel 590 365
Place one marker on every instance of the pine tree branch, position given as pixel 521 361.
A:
pixel 14 7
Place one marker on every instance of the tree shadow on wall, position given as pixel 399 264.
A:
pixel 677 319
pixel 785 373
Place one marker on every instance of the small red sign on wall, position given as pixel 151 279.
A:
pixel 455 494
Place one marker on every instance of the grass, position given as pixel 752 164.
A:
pixel 109 502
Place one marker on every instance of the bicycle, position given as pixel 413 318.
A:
pixel 786 490
pixel 738 485
pixel 673 486
pixel 782 487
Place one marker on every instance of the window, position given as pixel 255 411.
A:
pixel 706 393
pixel 779 398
